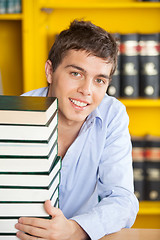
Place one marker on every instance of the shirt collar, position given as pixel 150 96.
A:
pixel 93 116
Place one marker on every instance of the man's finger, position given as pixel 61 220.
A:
pixel 36 222
pixel 34 231
pixel 52 210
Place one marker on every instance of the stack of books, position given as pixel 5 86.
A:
pixel 138 70
pixel 10 6
pixel 29 165
pixel 146 167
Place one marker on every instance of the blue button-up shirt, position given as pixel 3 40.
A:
pixel 96 188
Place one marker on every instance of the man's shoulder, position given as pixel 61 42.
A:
pixel 110 103
pixel 41 92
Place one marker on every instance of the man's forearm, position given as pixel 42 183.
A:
pixel 78 232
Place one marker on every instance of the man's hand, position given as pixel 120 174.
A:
pixel 57 228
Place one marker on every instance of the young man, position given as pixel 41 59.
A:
pixel 96 190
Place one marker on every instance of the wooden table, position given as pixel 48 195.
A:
pixel 134 234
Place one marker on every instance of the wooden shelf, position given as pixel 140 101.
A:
pixel 100 4
pixel 141 102
pixel 15 16
pixel 149 208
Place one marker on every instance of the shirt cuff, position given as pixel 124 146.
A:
pixel 94 230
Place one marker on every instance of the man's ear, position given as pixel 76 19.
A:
pixel 49 71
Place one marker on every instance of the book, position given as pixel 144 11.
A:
pixel 114 86
pixel 149 65
pixel 10 6
pixel 152 182
pixel 27 110
pixel 23 164
pixel 3 6
pixel 8 237
pixel 138 155
pixel 20 148
pixel 38 195
pixel 17 6
pixel 129 65
pixel 7 225
pixel 15 210
pixel 42 133
pixel 30 179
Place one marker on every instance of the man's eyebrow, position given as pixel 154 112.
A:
pixel 103 76
pixel 81 69
pixel 76 67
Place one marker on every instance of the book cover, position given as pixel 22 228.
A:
pixel 20 148
pixel 149 65
pixel 24 164
pixel 7 226
pixel 15 210
pixel 12 132
pixel 30 179
pixel 8 237
pixel 26 109
pixel 25 195
pixel 129 65
pixel 138 155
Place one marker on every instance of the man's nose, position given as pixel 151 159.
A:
pixel 85 87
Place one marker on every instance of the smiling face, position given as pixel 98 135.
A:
pixel 80 83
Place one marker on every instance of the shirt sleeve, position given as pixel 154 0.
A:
pixel 118 205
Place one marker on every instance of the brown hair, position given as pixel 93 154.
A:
pixel 85 36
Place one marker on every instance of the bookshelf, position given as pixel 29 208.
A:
pixel 16 16
pixel 34 31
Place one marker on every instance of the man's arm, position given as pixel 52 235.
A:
pixel 118 206
pixel 58 228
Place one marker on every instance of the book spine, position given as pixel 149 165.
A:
pixel 138 168
pixel 10 6
pixel 152 181
pixel 114 86
pixel 17 6
pixel 3 6
pixel 149 65
pixel 129 66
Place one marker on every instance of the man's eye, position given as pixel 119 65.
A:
pixel 75 74
pixel 98 80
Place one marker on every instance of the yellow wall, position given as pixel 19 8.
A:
pixel 26 38
pixel 11 56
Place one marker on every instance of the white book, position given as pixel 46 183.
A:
pixel 30 180
pixel 28 132
pixel 29 195
pixel 28 148
pixel 26 109
pixel 32 164
pixel 25 209
pixel 8 225
pixel 4 237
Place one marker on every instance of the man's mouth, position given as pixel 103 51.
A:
pixel 78 103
